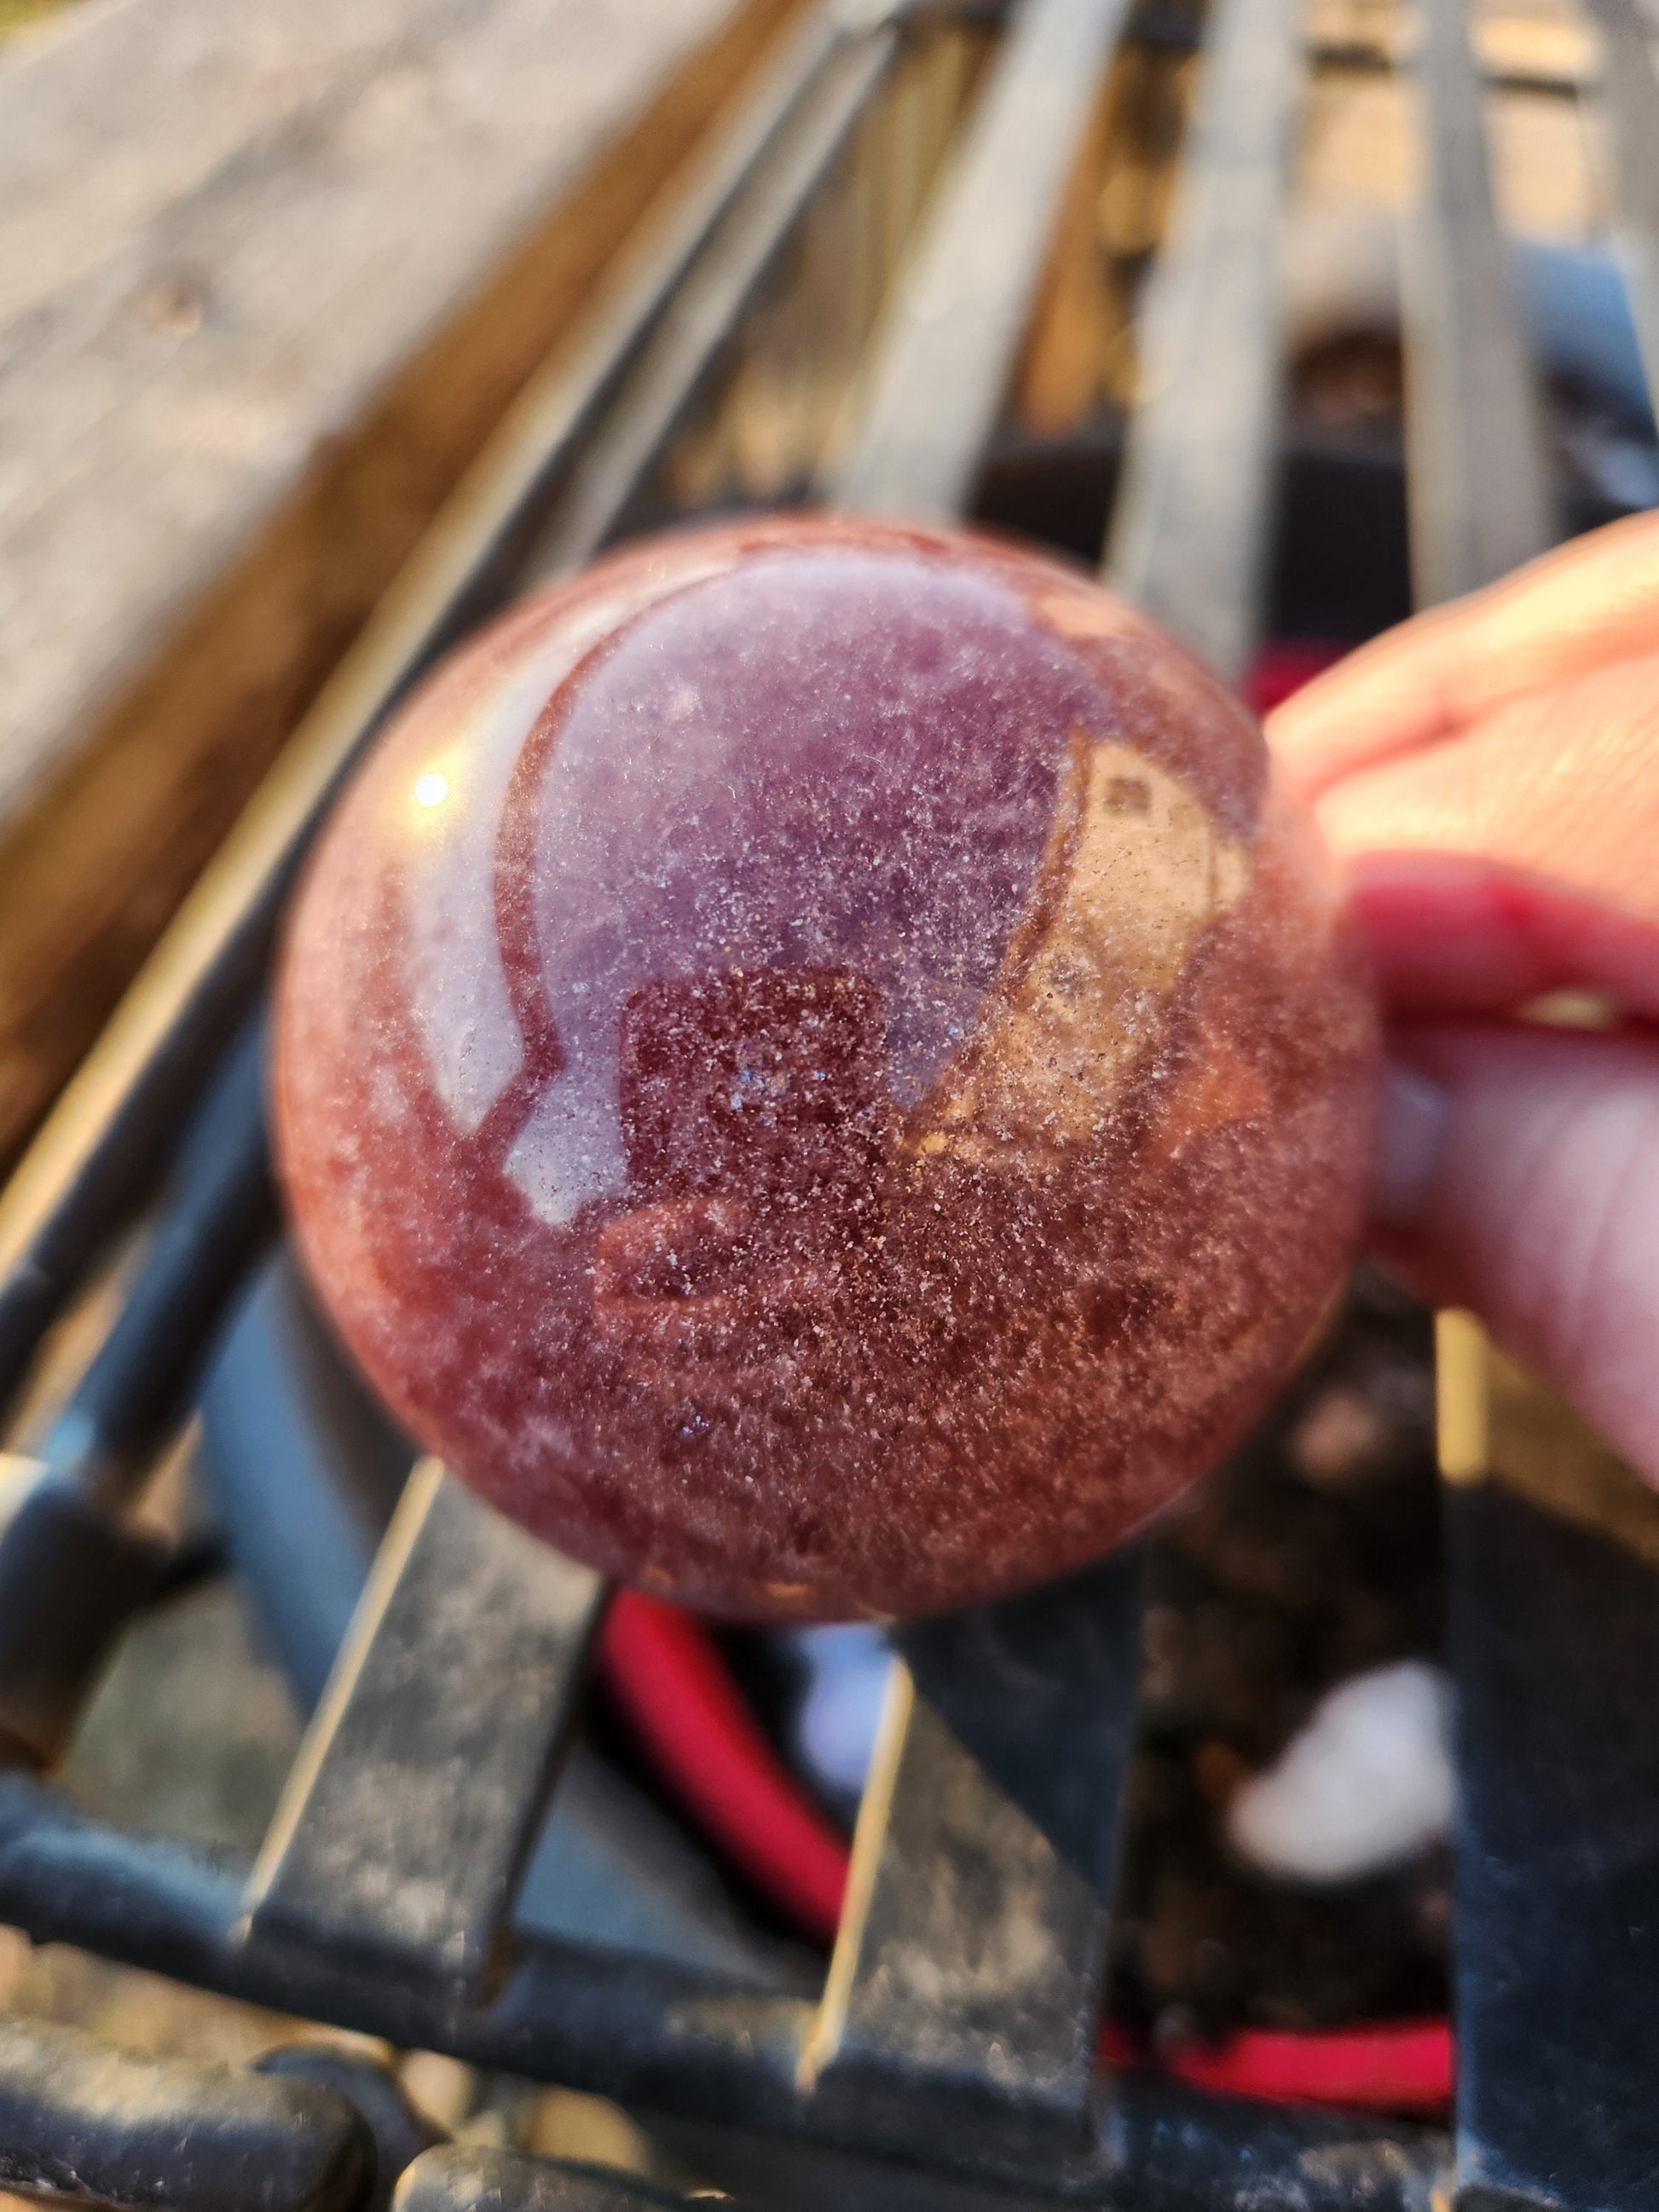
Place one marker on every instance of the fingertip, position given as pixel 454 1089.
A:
pixel 1454 934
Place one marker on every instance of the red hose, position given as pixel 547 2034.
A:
pixel 669 1679
pixel 1393 2066
pixel 1283 665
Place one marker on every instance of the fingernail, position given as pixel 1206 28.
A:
pixel 1410 1139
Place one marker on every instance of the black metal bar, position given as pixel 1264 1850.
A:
pixel 967 1975
pixel 106 1142
pixel 1556 1648
pixel 940 369
pixel 711 2049
pixel 369 2087
pixel 1481 497
pixel 136 1390
pixel 1161 2148
pixel 707 308
pixel 1193 520
pixel 463 2178
pixel 72 1569
pixel 1555 1644
pixel 669 324
pixel 1552 1632
pixel 1630 91
pixel 82 2121
pixel 72 1573
pixel 400 1836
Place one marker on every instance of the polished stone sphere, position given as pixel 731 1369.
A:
pixel 818 1068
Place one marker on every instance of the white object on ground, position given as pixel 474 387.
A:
pixel 1367 1782
pixel 836 1723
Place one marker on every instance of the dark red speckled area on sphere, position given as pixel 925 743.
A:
pixel 816 1066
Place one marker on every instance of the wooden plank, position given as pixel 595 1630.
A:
pixel 227 421
pixel 188 308
pixel 1194 517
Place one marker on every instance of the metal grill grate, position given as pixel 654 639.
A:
pixel 379 1899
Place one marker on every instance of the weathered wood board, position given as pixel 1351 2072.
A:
pixel 267 277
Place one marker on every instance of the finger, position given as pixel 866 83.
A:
pixel 1564 784
pixel 1519 1174
pixel 1515 858
pixel 1454 935
pixel 1588 605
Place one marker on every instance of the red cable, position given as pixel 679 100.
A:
pixel 670 1681
pixel 1393 2066
pixel 1283 665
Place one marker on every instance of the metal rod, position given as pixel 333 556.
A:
pixel 217 1220
pixel 941 365
pixel 82 2121
pixel 402 1830
pixel 1554 1645
pixel 73 1567
pixel 465 2179
pixel 1550 1632
pixel 1479 492
pixel 1629 89
pixel 667 2039
pixel 103 1145
pixel 973 1943
pixel 1191 525
pixel 707 308
pixel 62 1512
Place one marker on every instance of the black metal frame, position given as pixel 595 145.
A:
pixel 987 2091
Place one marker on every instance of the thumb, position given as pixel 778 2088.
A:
pixel 1518 1174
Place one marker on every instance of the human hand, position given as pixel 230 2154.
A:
pixel 1488 778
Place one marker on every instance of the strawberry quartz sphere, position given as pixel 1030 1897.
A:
pixel 818 1069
